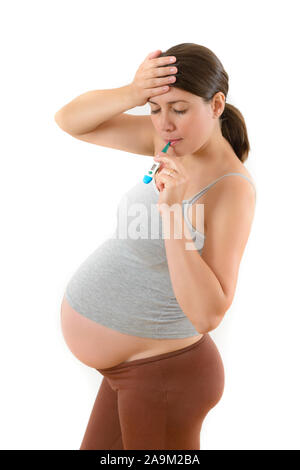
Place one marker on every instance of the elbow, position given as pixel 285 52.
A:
pixel 218 313
pixel 208 329
pixel 207 326
pixel 215 323
pixel 58 118
pixel 213 320
pixel 217 317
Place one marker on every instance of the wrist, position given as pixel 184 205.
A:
pixel 132 94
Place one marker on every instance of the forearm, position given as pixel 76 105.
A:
pixel 89 110
pixel 197 289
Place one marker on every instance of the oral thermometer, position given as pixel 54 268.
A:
pixel 149 176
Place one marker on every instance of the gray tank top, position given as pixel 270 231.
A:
pixel 125 283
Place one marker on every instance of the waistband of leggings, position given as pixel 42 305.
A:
pixel 158 357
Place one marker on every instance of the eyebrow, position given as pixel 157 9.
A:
pixel 169 102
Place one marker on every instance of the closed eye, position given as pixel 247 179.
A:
pixel 178 112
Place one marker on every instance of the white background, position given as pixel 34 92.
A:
pixel 54 213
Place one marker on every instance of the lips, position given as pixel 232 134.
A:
pixel 171 140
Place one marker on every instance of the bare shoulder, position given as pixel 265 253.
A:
pixel 247 182
pixel 245 185
pixel 228 192
pixel 240 185
pixel 232 193
pixel 243 170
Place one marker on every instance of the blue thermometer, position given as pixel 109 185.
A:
pixel 149 176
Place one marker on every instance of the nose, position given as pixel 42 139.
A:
pixel 165 125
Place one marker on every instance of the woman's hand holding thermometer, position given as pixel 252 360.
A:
pixel 150 174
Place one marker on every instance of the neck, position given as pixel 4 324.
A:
pixel 216 153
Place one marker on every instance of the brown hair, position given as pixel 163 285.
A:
pixel 199 71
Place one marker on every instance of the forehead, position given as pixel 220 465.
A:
pixel 173 95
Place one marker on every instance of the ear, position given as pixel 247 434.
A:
pixel 218 104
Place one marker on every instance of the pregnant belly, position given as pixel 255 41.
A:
pixel 100 347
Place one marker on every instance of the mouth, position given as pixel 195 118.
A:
pixel 173 141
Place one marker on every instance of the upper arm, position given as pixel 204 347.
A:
pixel 228 226
pixel 127 132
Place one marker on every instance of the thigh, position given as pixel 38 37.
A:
pixel 103 430
pixel 143 418
pixel 163 418
pixel 163 402
pixel 195 382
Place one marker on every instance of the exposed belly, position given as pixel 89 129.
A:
pixel 100 347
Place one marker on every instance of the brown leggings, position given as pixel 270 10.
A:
pixel 158 402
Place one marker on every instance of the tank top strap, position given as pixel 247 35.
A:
pixel 206 188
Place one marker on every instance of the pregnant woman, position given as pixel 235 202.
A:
pixel 140 308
